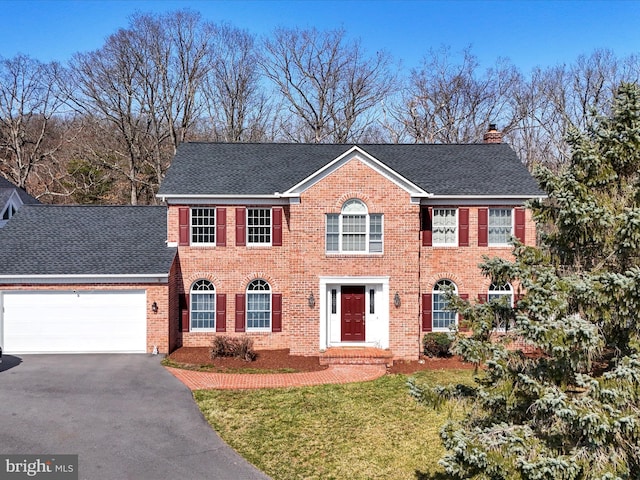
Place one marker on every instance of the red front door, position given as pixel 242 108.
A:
pixel 352 306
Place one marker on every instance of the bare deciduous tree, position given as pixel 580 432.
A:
pixel 29 101
pixel 329 84
pixel 237 107
pixel 447 102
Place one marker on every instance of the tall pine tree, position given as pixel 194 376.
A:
pixel 572 410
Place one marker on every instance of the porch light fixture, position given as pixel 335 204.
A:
pixel 312 300
pixel 396 300
pixel 154 307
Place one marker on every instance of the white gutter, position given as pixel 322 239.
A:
pixel 50 279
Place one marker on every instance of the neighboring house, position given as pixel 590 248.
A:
pixel 316 247
pixel 85 279
pixel 11 199
pixel 301 246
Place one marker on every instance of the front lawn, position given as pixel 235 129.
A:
pixel 371 430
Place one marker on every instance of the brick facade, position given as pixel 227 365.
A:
pixel 301 266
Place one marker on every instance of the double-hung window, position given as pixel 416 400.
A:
pixel 445 226
pixel 203 306
pixel 500 226
pixel 258 305
pixel 259 226
pixel 203 226
pixel 502 293
pixel 354 230
pixel 443 318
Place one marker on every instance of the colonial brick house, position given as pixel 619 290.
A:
pixel 315 248
pixel 320 247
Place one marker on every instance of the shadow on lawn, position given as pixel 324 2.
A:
pixel 431 476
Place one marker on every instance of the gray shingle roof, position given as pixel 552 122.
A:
pixel 263 169
pixel 24 196
pixel 86 240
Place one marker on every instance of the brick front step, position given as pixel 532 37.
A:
pixel 356 356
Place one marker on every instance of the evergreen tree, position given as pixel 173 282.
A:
pixel 572 410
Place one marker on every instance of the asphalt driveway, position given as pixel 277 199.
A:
pixel 125 417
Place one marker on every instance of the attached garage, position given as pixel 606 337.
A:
pixel 74 321
pixel 87 279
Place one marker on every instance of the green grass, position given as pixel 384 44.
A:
pixel 371 430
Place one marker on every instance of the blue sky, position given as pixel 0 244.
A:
pixel 529 33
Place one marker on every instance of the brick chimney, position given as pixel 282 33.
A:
pixel 493 135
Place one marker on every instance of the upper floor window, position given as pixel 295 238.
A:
pixel 203 305
pixel 259 226
pixel 258 305
pixel 500 226
pixel 443 318
pixel 354 230
pixel 445 226
pixel 203 226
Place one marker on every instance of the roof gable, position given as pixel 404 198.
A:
pixel 358 154
pixel 25 198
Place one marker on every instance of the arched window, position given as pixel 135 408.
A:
pixel 258 305
pixel 354 230
pixel 500 292
pixel 203 305
pixel 443 319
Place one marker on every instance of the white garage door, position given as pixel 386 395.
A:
pixel 73 322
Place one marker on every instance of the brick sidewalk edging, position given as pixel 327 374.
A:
pixel 239 381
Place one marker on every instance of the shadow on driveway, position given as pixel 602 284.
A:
pixel 9 361
pixel 125 417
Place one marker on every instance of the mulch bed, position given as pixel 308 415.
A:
pixel 273 360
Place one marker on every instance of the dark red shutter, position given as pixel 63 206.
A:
pixel 462 325
pixel 427 228
pixel 483 222
pixel 463 227
pixel 183 220
pixel 427 324
pixel 241 220
pixel 276 312
pixel 221 227
pixel 276 241
pixel 240 315
pixel 483 298
pixel 516 298
pixel 221 312
pixel 520 216
pixel 184 311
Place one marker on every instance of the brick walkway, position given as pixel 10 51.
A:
pixel 235 381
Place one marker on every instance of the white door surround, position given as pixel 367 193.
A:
pixel 376 311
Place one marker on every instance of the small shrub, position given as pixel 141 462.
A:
pixel 437 344
pixel 238 347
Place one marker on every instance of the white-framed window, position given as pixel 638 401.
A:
pixel 203 306
pixel 444 224
pixel 259 226
pixel 497 292
pixel 500 226
pixel 443 318
pixel 354 230
pixel 203 226
pixel 259 306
